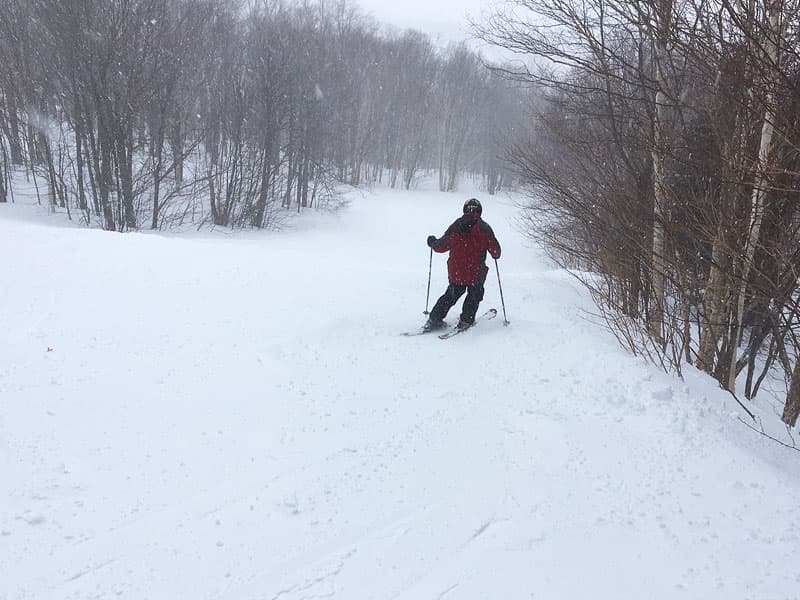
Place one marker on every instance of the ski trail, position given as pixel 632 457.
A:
pixel 236 416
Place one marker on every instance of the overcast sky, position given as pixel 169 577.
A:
pixel 447 19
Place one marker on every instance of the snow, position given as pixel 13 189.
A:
pixel 217 415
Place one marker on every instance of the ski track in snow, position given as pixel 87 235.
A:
pixel 237 416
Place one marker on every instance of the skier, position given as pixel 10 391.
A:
pixel 467 239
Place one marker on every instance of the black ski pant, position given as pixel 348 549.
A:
pixel 454 292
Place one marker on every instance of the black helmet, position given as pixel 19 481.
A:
pixel 473 206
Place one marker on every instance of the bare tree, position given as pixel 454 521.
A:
pixel 701 236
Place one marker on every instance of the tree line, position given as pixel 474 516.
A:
pixel 667 170
pixel 145 113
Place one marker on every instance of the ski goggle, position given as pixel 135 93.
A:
pixel 472 208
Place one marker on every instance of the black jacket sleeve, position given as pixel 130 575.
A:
pixel 443 243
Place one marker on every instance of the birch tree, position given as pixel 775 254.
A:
pixel 771 37
pixel 662 13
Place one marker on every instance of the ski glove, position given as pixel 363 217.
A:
pixel 431 240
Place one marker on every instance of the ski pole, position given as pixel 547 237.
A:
pixel 428 297
pixel 500 285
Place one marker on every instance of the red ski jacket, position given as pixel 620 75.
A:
pixel 467 239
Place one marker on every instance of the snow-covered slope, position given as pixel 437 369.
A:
pixel 236 416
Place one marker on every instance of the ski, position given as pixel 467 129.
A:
pixel 413 333
pixel 489 314
pixel 422 332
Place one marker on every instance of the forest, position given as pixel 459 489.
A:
pixel 666 171
pixel 148 113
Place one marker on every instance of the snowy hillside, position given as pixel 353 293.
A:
pixel 236 416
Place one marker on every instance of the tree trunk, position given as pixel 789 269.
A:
pixel 3 190
pixel 177 144
pixel 212 195
pixel 306 177
pixel 159 150
pixel 792 409
pixel 82 204
pixel 92 154
pixel 15 146
pixel 759 190
pixel 714 304
pixel 103 166
pixel 51 172
pixel 125 169
pixel 263 193
pixel 659 155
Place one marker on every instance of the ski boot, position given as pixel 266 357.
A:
pixel 433 325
